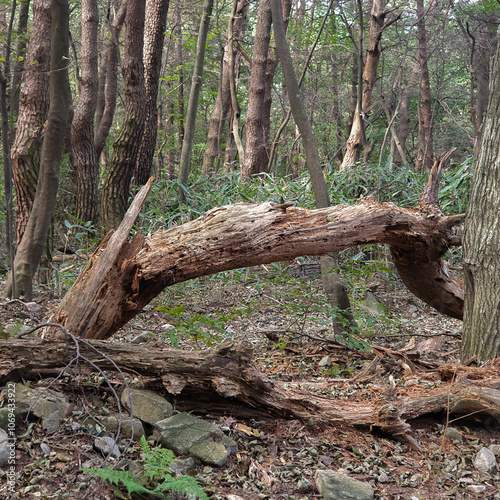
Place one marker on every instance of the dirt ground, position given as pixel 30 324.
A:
pixel 282 312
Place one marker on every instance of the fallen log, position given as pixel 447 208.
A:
pixel 104 298
pixel 225 380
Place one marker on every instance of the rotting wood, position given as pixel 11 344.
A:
pixel 225 379
pixel 244 235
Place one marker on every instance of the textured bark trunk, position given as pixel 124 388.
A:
pixel 110 67
pixel 116 184
pixel 213 151
pixel 128 275
pixel 82 128
pixel 481 332
pixel 257 143
pixel 425 152
pixel 33 108
pixel 34 239
pixel 194 94
pixel 356 143
pixel 17 75
pixel 154 35
pixel 225 380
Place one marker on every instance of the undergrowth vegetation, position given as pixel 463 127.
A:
pixel 305 303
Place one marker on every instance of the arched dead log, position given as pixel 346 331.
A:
pixel 123 276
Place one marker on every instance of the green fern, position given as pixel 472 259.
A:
pixel 119 476
pixel 156 468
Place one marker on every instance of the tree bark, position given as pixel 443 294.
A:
pixel 33 108
pixel 116 184
pixel 225 380
pixel 257 137
pixel 154 35
pixel 243 235
pixel 188 140
pixel 33 242
pixel 17 75
pixel 481 332
pixel 356 142
pixel 425 153
pixel 82 128
pixel 108 78
pixel 213 150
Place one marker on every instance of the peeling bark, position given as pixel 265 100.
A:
pixel 226 378
pixel 105 298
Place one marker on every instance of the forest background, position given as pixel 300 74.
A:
pixel 161 89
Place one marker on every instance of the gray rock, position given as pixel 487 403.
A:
pixel 111 425
pixel 147 405
pixel 182 466
pixel 7 449
pixel 485 461
pixel 107 446
pixel 476 488
pixel 143 337
pixel 6 415
pixel 325 362
pixel 191 436
pixel 454 434
pixel 383 477
pixel 495 448
pixel 336 486
pixel 51 406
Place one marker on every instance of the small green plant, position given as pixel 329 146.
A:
pixel 198 327
pixel 157 470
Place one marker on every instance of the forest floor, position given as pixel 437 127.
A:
pixel 281 311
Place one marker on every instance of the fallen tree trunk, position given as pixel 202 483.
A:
pixel 104 298
pixel 226 380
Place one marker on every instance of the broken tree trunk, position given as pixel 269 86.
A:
pixel 225 380
pixel 106 296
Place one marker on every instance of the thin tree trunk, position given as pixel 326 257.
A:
pixel 33 108
pixel 104 120
pixel 154 35
pixel 188 141
pixel 116 184
pixel 235 119
pixel 256 147
pixel 213 151
pixel 425 153
pixel 82 127
pixel 357 143
pixel 180 73
pixel 17 75
pixel 34 239
pixel 334 287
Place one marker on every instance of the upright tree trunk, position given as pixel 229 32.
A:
pixel 212 155
pixel 154 35
pixel 481 329
pixel 17 75
pixel 82 128
pixel 108 77
pixel 180 73
pixel 257 137
pixel 333 285
pixel 187 143
pixel 33 107
pixel 34 239
pixel 356 142
pixel 425 153
pixel 116 185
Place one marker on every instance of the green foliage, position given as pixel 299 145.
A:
pixel 198 326
pixel 157 470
